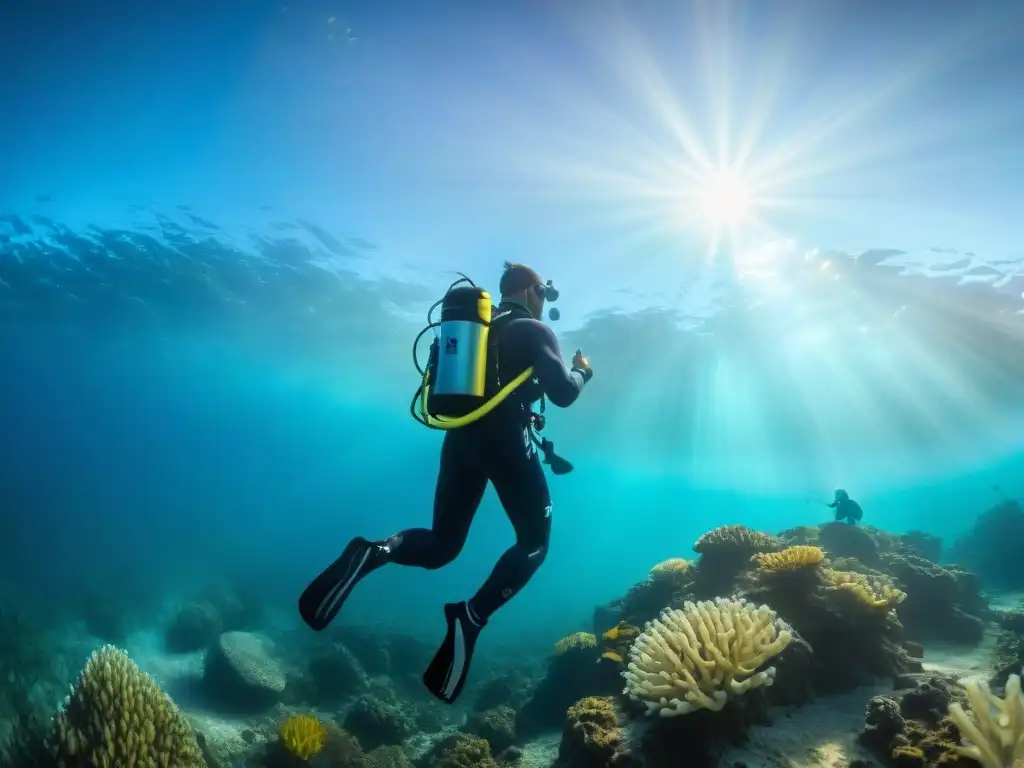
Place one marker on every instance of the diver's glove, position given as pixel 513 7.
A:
pixel 582 366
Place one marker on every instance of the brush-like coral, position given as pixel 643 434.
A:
pixel 117 716
pixel 872 593
pixel 574 641
pixel 993 732
pixel 790 559
pixel 695 658
pixel 668 567
pixel 736 538
pixel 303 735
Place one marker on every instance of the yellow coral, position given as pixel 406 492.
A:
pixel 872 593
pixel 671 566
pixel 574 641
pixel 736 538
pixel 695 658
pixel 116 715
pixel 993 731
pixel 303 735
pixel 790 559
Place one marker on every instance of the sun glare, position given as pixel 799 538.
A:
pixel 724 199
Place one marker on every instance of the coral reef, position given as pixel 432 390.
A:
pixel 376 723
pixel 460 750
pixel 993 545
pixel 912 728
pixel 240 673
pixel 725 553
pixel 697 657
pixel 994 729
pixel 117 716
pixel 496 726
pixel 792 558
pixel 334 674
pixel 572 674
pixel 592 736
pixel 939 602
pixel 303 735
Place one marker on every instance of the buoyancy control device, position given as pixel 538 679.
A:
pixel 461 382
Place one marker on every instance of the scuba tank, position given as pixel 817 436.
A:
pixel 460 382
pixel 457 367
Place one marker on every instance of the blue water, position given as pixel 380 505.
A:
pixel 212 268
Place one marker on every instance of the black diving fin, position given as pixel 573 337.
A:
pixel 558 465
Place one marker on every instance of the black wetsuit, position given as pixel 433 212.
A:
pixel 847 509
pixel 498 448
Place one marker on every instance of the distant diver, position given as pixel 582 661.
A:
pixel 487 367
pixel 846 508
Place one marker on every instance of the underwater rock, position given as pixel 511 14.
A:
pixel 335 674
pixel 932 609
pixel 241 674
pixel 377 724
pixel 367 647
pixel 194 627
pixel 510 689
pixel 922 544
pixel 496 726
pixel 993 545
pixel 237 610
pixel 695 740
pixel 843 540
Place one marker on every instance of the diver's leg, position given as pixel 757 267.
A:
pixel 517 475
pixel 460 486
pixel 523 491
pixel 461 482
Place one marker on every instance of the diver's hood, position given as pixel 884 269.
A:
pixel 841 495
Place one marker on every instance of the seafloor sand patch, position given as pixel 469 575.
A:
pixel 822 734
pixel 965 663
pixel 541 752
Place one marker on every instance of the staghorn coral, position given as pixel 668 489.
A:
pixel 117 717
pixel 790 559
pixel 994 730
pixel 697 657
pixel 871 593
pixel 303 735
pixel 577 640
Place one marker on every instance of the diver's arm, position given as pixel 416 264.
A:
pixel 561 385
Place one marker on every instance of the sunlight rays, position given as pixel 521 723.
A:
pixel 690 158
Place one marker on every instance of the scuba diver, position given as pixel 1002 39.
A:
pixel 517 362
pixel 846 508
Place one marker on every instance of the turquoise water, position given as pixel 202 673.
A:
pixel 250 443
pixel 207 303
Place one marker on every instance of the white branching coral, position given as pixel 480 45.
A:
pixel 993 731
pixel 697 657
